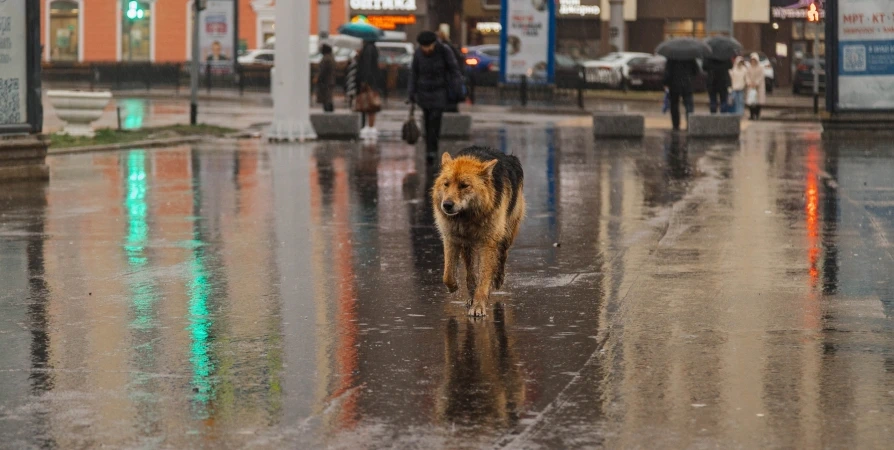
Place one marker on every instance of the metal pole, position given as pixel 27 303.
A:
pixel 816 42
pixel 194 73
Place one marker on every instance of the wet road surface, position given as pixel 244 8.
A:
pixel 665 293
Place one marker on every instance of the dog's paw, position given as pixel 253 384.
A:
pixel 478 309
pixel 452 285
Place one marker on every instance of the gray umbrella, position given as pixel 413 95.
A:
pixel 683 49
pixel 724 48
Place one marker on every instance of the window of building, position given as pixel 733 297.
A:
pixel 797 30
pixel 64 30
pixel 684 28
pixel 136 31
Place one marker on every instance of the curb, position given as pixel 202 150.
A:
pixel 146 143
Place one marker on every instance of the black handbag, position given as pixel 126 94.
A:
pixel 410 131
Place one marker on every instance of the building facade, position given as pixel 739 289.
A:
pixel 148 30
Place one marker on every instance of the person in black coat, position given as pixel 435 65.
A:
pixel 369 76
pixel 718 84
pixel 678 76
pixel 433 66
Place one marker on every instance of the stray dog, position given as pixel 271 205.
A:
pixel 478 207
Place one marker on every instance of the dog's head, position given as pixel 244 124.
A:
pixel 464 183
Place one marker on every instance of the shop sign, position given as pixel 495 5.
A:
pixel 578 8
pixel 384 5
pixel 390 22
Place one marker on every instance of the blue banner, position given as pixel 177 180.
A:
pixel 863 58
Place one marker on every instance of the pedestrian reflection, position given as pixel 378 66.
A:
pixel 482 382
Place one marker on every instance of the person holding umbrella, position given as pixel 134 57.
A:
pixel 681 68
pixel 718 66
pixel 718 84
pixel 369 77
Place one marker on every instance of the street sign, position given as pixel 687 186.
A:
pixel 859 65
pixel 20 109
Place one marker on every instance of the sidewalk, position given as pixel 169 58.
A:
pixel 252 112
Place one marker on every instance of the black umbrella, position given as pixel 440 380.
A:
pixel 724 47
pixel 683 49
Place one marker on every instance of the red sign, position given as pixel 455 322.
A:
pixel 390 22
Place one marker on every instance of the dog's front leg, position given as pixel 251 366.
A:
pixel 451 258
pixel 488 259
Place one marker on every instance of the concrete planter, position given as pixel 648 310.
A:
pixel 78 109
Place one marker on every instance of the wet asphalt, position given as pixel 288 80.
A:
pixel 666 293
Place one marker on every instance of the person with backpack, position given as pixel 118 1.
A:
pixel 435 82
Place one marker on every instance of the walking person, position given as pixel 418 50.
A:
pixel 452 105
pixel 326 79
pixel 678 75
pixel 737 85
pixel 756 93
pixel 718 84
pixel 369 79
pixel 433 69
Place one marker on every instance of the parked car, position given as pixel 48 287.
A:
pixel 769 70
pixel 648 74
pixel 483 58
pixel 803 80
pixel 395 52
pixel 612 69
pixel 260 56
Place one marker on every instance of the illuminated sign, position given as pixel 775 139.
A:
pixel 384 5
pixel 793 13
pixel 812 13
pixel 488 27
pixel 390 22
pixel 574 8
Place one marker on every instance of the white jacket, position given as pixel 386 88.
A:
pixel 737 75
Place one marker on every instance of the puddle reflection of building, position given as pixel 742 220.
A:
pixel 482 383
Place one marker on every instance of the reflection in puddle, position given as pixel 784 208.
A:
pixel 289 296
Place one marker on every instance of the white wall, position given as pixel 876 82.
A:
pixel 755 11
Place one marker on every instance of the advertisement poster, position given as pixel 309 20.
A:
pixel 865 54
pixel 526 39
pixel 13 63
pixel 216 36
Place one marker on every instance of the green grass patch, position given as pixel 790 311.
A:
pixel 108 136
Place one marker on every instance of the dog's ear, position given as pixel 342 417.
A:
pixel 488 168
pixel 446 158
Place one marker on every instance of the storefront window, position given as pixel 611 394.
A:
pixel 136 31
pixel 798 30
pixel 684 28
pixel 64 30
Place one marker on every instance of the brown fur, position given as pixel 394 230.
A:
pixel 481 233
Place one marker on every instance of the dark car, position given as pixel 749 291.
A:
pixel 803 79
pixel 648 74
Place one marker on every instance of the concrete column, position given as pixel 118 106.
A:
pixel 616 30
pixel 719 17
pixel 291 75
